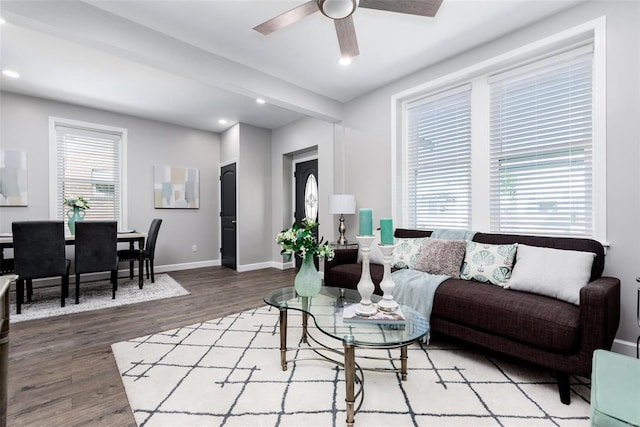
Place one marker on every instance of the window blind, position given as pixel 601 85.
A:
pixel 439 161
pixel 541 147
pixel 88 165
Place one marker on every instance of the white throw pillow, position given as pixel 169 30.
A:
pixel 552 272
pixel 407 250
pixel 375 256
pixel 488 263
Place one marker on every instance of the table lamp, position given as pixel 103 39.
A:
pixel 342 204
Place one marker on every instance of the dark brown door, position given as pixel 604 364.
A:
pixel 302 173
pixel 228 215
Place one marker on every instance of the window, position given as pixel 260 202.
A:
pixel 439 160
pixel 541 146
pixel 88 160
pixel 512 145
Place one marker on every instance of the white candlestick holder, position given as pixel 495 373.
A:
pixel 387 285
pixel 365 285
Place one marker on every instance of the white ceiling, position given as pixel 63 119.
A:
pixel 193 62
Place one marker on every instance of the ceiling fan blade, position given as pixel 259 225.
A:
pixel 411 7
pixel 347 37
pixel 287 18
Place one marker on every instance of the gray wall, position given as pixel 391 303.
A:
pixel 305 137
pixel 254 198
pixel 25 126
pixel 366 145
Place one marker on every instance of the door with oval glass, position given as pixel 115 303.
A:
pixel 306 203
pixel 228 215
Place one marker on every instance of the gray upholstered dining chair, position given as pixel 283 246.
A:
pixel 96 250
pixel 39 252
pixel 148 253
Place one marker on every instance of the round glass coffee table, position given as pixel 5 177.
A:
pixel 326 309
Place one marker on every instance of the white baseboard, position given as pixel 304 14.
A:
pixel 186 266
pixel 256 266
pixel 624 347
pixel 282 265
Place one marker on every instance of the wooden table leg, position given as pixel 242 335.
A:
pixel 349 378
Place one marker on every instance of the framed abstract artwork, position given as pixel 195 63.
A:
pixel 13 178
pixel 176 187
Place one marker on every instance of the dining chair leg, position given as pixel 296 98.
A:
pixel 114 283
pixel 29 289
pixel 77 288
pixel 19 295
pixel 131 269
pixel 64 291
pixel 153 279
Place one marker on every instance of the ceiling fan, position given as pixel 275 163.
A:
pixel 341 12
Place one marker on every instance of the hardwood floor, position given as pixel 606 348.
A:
pixel 62 371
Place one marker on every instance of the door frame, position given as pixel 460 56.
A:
pixel 220 166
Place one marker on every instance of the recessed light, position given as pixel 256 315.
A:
pixel 260 101
pixel 2 21
pixel 10 73
pixel 344 60
pixel 223 121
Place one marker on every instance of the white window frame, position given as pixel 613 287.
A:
pixel 475 74
pixel 55 197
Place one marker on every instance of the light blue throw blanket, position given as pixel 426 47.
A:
pixel 416 289
pixel 447 234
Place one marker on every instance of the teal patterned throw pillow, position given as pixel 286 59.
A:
pixel 406 253
pixel 488 263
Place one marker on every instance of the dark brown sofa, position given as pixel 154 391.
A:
pixel 545 331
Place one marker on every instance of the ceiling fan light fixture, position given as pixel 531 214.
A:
pixel 11 73
pixel 337 9
pixel 345 60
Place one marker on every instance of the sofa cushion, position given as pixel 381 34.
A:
pixel 439 256
pixel 406 253
pixel 488 263
pixel 537 320
pixel 555 273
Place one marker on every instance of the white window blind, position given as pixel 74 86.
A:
pixel 438 174
pixel 541 146
pixel 88 165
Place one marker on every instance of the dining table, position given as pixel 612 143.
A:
pixel 130 236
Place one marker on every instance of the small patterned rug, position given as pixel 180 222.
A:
pixel 226 372
pixel 95 295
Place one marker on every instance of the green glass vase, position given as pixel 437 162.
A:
pixel 74 215
pixel 307 282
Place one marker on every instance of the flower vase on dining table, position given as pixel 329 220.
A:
pixel 307 281
pixel 74 215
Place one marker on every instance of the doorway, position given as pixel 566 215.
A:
pixel 306 194
pixel 228 216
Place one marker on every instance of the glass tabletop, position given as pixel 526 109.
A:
pixel 326 309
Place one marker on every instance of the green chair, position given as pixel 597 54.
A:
pixel 615 390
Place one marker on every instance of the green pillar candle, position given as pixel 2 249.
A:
pixel 365 222
pixel 386 231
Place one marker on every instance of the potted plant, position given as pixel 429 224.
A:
pixel 302 241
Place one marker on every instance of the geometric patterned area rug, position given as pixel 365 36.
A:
pixel 226 372
pixel 95 295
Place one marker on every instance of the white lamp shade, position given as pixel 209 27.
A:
pixel 342 204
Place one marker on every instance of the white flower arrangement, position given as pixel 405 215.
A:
pixel 78 202
pixel 302 241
